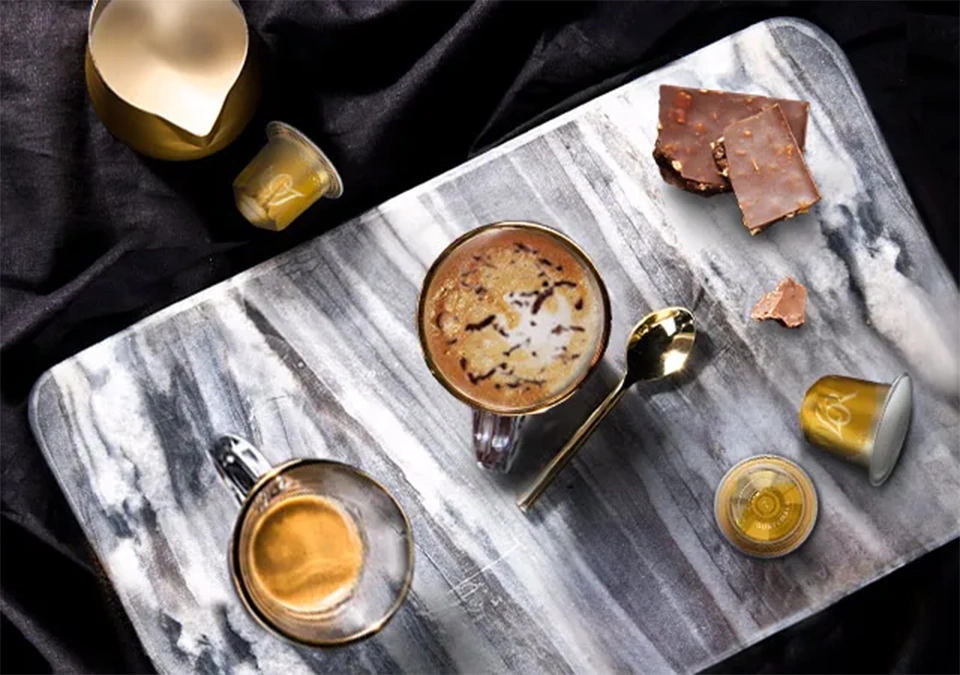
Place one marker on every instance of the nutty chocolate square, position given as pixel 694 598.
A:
pixel 690 119
pixel 763 161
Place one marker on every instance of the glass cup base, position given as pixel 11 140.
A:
pixel 496 440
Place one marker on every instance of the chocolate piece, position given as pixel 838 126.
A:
pixel 690 119
pixel 766 169
pixel 787 304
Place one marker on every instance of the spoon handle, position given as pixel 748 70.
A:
pixel 567 452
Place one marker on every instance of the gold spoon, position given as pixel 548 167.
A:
pixel 659 346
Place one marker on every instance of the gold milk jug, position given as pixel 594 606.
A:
pixel 172 79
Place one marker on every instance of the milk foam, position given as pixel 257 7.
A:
pixel 537 331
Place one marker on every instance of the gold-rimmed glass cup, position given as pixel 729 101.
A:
pixel 512 317
pixel 321 553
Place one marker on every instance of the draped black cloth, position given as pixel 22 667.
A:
pixel 95 237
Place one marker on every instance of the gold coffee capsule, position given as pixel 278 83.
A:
pixel 766 506
pixel 863 422
pixel 288 175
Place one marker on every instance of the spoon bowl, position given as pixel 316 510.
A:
pixel 659 346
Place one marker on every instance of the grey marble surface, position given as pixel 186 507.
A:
pixel 620 567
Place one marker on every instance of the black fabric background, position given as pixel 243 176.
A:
pixel 95 237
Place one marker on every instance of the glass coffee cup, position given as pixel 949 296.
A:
pixel 512 318
pixel 321 553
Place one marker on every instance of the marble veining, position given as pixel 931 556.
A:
pixel 620 567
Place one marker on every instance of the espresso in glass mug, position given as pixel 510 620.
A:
pixel 321 553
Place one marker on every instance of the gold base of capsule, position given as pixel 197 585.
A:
pixel 766 506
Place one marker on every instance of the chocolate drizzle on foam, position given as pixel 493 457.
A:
pixel 482 324
pixel 509 317
pixel 531 302
pixel 474 379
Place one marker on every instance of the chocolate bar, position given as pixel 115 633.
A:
pixel 691 119
pixel 762 159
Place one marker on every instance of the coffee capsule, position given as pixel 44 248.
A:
pixel 286 177
pixel 862 422
pixel 766 506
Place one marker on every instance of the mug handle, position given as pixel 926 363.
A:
pixel 496 439
pixel 239 464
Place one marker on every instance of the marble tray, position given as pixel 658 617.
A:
pixel 620 567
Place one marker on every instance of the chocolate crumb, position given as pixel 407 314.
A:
pixel 545 284
pixel 786 304
pixel 564 282
pixel 578 305
pixel 463 363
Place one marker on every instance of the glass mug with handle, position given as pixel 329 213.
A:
pixel 321 553
pixel 512 318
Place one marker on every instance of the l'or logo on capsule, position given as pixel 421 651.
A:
pixel 833 413
pixel 279 187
